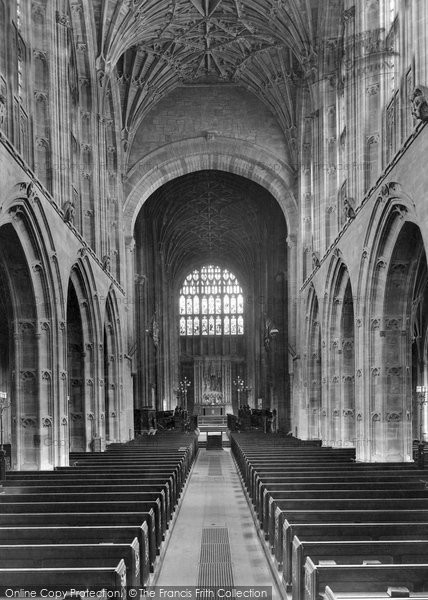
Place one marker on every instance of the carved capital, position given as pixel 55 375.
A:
pixel 62 19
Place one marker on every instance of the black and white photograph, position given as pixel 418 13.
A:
pixel 213 299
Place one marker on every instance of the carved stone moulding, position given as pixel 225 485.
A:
pixel 28 422
pixel 47 421
pixel 349 413
pixel 394 416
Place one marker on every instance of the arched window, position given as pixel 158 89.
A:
pixel 211 303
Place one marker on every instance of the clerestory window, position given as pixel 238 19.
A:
pixel 211 303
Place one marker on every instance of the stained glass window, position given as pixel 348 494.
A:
pixel 211 303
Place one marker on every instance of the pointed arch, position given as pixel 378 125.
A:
pixel 392 253
pixel 312 377
pixel 340 351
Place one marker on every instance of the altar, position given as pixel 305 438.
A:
pixel 210 409
pixel 212 375
pixel 211 403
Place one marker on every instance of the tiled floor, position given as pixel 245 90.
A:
pixel 214 503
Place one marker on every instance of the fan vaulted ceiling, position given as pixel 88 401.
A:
pixel 152 46
pixel 211 216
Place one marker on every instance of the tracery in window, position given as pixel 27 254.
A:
pixel 211 303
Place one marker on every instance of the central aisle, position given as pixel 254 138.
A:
pixel 214 540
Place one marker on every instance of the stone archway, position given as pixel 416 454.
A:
pixel 340 360
pixel 20 375
pixel 315 414
pixel 83 347
pixel 76 371
pixel 222 154
pixel 419 339
pixel 400 257
pixel 112 384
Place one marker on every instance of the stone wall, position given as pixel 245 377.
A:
pixel 196 111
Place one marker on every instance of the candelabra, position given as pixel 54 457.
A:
pixel 4 404
pixel 183 386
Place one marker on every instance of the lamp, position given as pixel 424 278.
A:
pixel 183 386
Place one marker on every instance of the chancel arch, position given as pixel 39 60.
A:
pixel 215 224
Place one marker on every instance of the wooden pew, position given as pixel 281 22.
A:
pixel 28 479
pixel 106 471
pixel 319 475
pixel 329 497
pixel 90 534
pixel 337 532
pixel 94 492
pixel 315 477
pixel 353 552
pixel 71 519
pixel 73 555
pixel 131 486
pixel 339 516
pixel 362 578
pixel 111 576
pixel 394 488
pixel 79 503
pixel 279 511
pixel 390 592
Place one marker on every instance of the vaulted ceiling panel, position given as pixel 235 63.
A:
pixel 212 215
pixel 153 46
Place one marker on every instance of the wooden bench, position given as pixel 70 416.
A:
pixel 112 577
pixel 279 511
pixel 353 552
pixel 71 519
pixel 319 476
pixel 337 516
pixel 390 592
pixel 131 465
pixel 394 487
pixel 105 471
pixel 92 492
pixel 73 555
pixel 331 498
pixel 362 578
pixel 36 504
pixel 53 478
pixel 90 534
pixel 337 532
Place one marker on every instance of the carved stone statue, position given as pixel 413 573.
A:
pixel 2 109
pixel 420 103
pixel 315 260
pixel 69 212
pixel 348 209
pixel 106 262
